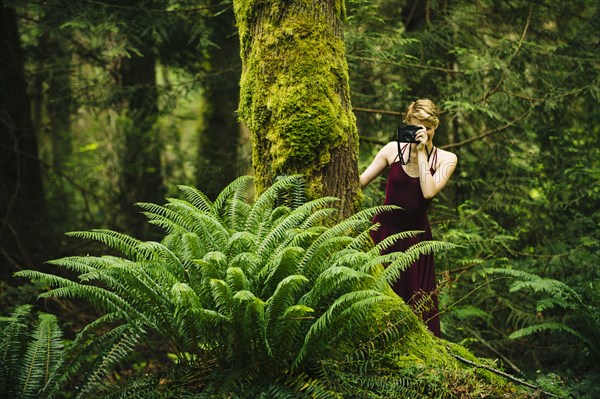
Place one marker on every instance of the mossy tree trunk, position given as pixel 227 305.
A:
pixel 295 97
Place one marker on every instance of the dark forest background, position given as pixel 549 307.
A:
pixel 108 103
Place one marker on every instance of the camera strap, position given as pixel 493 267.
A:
pixel 401 153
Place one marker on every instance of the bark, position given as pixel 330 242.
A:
pixel 294 95
pixel 219 140
pixel 140 177
pixel 24 230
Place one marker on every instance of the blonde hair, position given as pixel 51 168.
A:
pixel 424 110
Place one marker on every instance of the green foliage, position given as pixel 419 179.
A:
pixel 30 353
pixel 518 84
pixel 503 304
pixel 255 292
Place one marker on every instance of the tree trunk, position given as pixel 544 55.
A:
pixel 55 106
pixel 140 172
pixel 218 163
pixel 24 228
pixel 295 97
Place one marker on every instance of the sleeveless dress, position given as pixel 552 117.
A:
pixel 419 279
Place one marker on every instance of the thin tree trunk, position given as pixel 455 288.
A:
pixel 219 141
pixel 295 96
pixel 57 100
pixel 24 228
pixel 140 177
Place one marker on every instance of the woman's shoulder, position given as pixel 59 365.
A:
pixel 390 151
pixel 447 156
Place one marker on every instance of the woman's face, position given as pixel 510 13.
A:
pixel 418 122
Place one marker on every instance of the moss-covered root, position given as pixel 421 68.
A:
pixel 419 365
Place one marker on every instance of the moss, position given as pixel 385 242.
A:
pixel 294 88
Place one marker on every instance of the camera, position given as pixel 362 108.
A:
pixel 407 133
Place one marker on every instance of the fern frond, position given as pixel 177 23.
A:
pixel 191 246
pixel 157 251
pixel 119 241
pixel 547 327
pixel 389 241
pixel 222 296
pixel 352 258
pixel 325 239
pixel 469 312
pixel 363 241
pixel 250 263
pixel 13 330
pixel 278 236
pixel 235 208
pixel 368 214
pixel 164 217
pixel 265 202
pixel 546 285
pixel 392 387
pixel 284 264
pixel 79 264
pixel 551 303
pixel 280 302
pixel 324 255
pixel 254 323
pixel 211 232
pixel 67 288
pixel 119 343
pixel 42 356
pixel 394 270
pixel 337 279
pixel 241 241
pixel 279 212
pixel 84 347
pixel 239 184
pixel 236 279
pixel 320 329
pixel 198 199
pixel 319 217
pixel 214 265
pixel 360 313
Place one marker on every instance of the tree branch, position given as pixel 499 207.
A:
pixel 489 132
pixel 501 373
pixel 153 10
pixel 517 50
pixel 405 64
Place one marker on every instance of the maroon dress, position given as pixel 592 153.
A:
pixel 419 279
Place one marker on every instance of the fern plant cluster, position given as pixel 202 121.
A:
pixel 252 291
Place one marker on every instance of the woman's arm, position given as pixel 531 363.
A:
pixel 378 165
pixel 432 185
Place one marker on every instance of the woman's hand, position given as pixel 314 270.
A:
pixel 421 136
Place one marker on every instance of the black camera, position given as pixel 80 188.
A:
pixel 407 133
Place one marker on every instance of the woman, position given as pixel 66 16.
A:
pixel 418 172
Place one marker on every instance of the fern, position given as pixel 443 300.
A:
pixel 119 241
pixel 12 347
pixel 41 358
pixel 261 290
pixel 33 356
pixel 544 327
pixel 117 344
pixel 198 199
